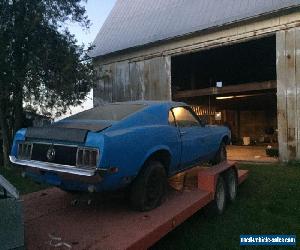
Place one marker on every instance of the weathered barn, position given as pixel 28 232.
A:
pixel 237 62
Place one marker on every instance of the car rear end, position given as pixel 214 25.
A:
pixel 70 153
pixel 68 158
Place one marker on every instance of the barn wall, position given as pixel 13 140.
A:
pixel 129 81
pixel 288 93
pixel 145 73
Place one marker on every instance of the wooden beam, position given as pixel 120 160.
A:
pixel 246 87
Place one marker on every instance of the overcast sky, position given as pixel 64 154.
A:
pixel 97 11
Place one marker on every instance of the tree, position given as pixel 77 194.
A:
pixel 40 62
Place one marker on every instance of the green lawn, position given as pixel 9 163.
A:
pixel 24 185
pixel 268 203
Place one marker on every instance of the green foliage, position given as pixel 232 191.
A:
pixel 39 57
pixel 40 63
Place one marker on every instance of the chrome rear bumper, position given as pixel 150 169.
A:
pixel 54 167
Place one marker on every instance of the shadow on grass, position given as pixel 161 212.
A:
pixel 23 185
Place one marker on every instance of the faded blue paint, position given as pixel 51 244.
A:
pixel 20 136
pixel 127 144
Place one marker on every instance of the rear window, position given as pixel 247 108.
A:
pixel 111 112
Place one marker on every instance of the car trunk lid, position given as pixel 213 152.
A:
pixel 70 131
pixel 57 134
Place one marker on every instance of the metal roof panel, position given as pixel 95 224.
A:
pixel 133 23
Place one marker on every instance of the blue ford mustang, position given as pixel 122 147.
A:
pixel 132 144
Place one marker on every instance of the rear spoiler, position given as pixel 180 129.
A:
pixel 57 133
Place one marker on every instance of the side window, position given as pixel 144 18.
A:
pixel 184 117
pixel 171 119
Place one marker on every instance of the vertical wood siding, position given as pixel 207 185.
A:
pixel 288 94
pixel 130 81
pixel 298 90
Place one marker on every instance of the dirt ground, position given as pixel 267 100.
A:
pixel 249 154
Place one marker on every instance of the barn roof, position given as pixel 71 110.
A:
pixel 134 23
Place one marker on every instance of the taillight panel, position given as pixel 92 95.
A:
pixel 25 150
pixel 87 158
pixel 73 156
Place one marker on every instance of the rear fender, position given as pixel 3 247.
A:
pixel 153 151
pixel 20 136
pixel 96 140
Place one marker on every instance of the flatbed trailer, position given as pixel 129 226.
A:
pixel 53 222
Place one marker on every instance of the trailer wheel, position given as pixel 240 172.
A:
pixel 217 206
pixel 221 155
pixel 149 188
pixel 231 184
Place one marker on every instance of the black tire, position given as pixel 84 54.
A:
pixel 217 206
pixel 231 182
pixel 149 188
pixel 221 155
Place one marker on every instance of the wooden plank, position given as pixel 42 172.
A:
pixel 109 82
pixel 103 89
pixel 147 80
pixel 297 43
pixel 136 79
pixel 246 87
pixel 121 88
pixel 168 78
pixel 155 85
pixel 291 92
pixel 157 79
pixel 98 92
pixel 281 95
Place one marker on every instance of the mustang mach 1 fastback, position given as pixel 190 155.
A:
pixel 134 145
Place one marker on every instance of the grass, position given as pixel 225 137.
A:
pixel 267 203
pixel 23 185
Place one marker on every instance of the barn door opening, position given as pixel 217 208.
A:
pixel 235 86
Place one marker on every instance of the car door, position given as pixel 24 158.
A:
pixel 174 144
pixel 194 136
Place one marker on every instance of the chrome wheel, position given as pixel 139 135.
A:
pixel 231 183
pixel 220 196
